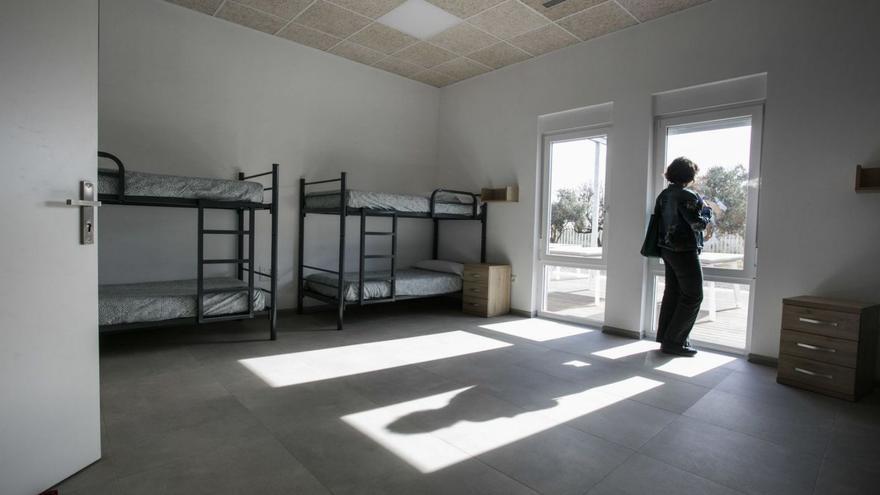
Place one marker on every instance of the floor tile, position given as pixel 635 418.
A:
pixel 805 430
pixel 734 459
pixel 246 467
pixel 641 475
pixel 848 476
pixel 628 422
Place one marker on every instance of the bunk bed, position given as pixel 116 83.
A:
pixel 338 288
pixel 203 299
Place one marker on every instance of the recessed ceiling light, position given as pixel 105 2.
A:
pixel 419 18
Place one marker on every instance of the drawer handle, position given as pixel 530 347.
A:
pixel 474 304
pixel 475 290
pixel 817 322
pixel 813 373
pixel 475 275
pixel 815 347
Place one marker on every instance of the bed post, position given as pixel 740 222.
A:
pixel 436 238
pixel 273 283
pixel 483 234
pixel 240 236
pixel 300 246
pixel 340 287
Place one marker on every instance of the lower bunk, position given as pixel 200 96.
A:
pixel 126 306
pixel 411 283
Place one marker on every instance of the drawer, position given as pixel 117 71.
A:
pixel 817 375
pixel 819 348
pixel 820 321
pixel 476 274
pixel 477 289
pixel 475 306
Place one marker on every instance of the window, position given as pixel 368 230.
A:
pixel 574 292
pixel 721 148
pixel 726 146
pixel 571 259
pixel 576 216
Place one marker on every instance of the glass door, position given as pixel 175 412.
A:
pixel 571 259
pixel 726 146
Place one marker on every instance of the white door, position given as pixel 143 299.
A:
pixel 571 258
pixel 49 404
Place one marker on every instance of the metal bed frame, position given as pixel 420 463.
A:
pixel 478 213
pixel 242 208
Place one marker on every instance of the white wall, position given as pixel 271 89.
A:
pixel 184 93
pixel 49 402
pixel 816 236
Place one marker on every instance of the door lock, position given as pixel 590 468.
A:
pixel 87 205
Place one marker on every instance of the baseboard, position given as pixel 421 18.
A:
pixel 524 313
pixel 763 360
pixel 622 332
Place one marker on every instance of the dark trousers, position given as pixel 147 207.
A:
pixel 681 298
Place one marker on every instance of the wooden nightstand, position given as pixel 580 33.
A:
pixel 486 289
pixel 828 346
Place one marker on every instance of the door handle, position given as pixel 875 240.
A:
pixel 81 202
pixel 813 373
pixel 87 205
pixel 814 321
pixel 815 347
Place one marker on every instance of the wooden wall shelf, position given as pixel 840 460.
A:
pixel 509 194
pixel 867 179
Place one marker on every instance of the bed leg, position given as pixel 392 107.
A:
pixel 300 284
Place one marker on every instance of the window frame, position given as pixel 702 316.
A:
pixel 746 276
pixel 549 139
pixel 543 257
pixel 756 112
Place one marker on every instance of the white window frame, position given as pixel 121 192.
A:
pixel 746 276
pixel 543 257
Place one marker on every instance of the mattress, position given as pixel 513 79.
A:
pixel 156 301
pixel 407 203
pixel 410 282
pixel 174 186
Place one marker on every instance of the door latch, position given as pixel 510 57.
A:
pixel 87 205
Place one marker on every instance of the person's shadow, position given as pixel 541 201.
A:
pixel 460 408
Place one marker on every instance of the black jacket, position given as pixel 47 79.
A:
pixel 682 218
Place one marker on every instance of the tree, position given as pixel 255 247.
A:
pixel 727 188
pixel 573 209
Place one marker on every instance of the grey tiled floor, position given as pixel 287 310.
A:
pixel 182 414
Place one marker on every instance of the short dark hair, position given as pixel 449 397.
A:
pixel 681 171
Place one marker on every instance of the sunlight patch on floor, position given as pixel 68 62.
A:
pixel 626 350
pixel 457 439
pixel 536 329
pixel 576 363
pixel 692 366
pixel 296 368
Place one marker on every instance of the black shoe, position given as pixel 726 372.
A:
pixel 678 350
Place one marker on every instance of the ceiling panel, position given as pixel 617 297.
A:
pixel 491 33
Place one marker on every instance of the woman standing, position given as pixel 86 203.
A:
pixel 683 216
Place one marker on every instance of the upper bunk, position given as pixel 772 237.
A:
pixel 440 204
pixel 125 187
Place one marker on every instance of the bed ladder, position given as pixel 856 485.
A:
pixel 364 256
pixel 240 261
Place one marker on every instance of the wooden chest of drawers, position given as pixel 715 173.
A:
pixel 486 289
pixel 828 346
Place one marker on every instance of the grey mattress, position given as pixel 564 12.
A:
pixel 156 301
pixel 392 202
pixel 410 282
pixel 174 186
